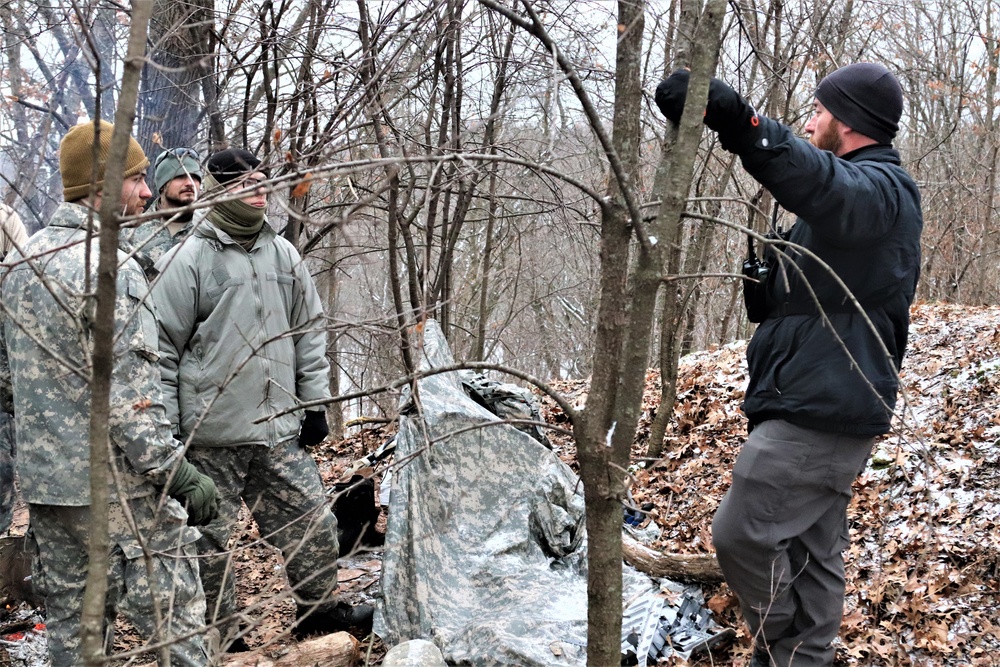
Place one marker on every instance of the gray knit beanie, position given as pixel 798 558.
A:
pixel 173 163
pixel 866 97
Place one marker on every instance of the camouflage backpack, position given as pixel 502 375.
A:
pixel 507 401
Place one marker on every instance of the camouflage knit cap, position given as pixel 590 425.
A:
pixel 173 163
pixel 76 159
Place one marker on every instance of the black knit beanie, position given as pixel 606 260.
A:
pixel 231 163
pixel 866 97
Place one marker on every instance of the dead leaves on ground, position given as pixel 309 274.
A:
pixel 924 555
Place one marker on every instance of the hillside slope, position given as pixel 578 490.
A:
pixel 923 563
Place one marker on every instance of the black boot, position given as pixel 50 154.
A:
pixel 336 617
pixel 760 658
pixel 238 645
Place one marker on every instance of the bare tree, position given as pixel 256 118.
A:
pixel 437 158
pixel 172 111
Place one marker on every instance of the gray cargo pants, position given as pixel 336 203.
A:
pixel 780 532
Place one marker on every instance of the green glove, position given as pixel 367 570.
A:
pixel 196 492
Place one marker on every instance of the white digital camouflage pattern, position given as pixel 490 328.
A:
pixel 6 470
pixel 284 492
pixel 485 549
pixel 148 242
pixel 45 365
pixel 45 369
pixel 169 579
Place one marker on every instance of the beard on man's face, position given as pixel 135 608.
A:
pixel 829 139
pixel 132 204
pixel 180 199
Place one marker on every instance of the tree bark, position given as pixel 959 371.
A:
pixel 173 79
pixel 602 458
pixel 489 145
pixel 669 220
pixel 103 337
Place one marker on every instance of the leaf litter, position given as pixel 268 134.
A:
pixel 924 557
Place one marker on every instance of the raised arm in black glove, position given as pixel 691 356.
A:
pixel 314 429
pixel 726 112
pixel 196 492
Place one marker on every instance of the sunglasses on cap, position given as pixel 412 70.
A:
pixel 179 154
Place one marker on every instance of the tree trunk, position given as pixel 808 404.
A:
pixel 602 466
pixel 103 40
pixel 489 145
pixel 395 224
pixel 330 282
pixel 689 568
pixel 103 337
pixel 172 83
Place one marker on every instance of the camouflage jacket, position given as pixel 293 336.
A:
pixel 241 337
pixel 148 242
pixel 45 367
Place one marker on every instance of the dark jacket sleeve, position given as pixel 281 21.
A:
pixel 815 360
pixel 845 203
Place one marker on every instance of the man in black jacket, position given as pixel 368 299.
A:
pixel 824 363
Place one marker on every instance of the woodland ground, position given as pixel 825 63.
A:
pixel 924 560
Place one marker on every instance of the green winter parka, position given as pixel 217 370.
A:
pixel 242 337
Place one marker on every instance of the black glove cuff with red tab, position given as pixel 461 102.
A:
pixel 727 113
pixel 731 117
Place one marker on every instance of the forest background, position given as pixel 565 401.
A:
pixel 495 226
pixel 500 166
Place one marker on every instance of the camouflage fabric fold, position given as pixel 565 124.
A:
pixel 485 546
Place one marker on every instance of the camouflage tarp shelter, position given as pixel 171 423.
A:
pixel 485 550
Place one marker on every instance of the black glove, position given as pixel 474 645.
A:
pixel 314 429
pixel 196 492
pixel 726 112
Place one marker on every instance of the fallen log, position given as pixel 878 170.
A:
pixel 688 568
pixel 337 650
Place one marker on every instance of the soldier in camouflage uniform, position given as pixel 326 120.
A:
pixel 242 337
pixel 177 178
pixel 45 370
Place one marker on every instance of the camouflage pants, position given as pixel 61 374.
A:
pixel 7 494
pixel 283 490
pixel 163 601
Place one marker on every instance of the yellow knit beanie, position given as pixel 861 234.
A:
pixel 76 159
